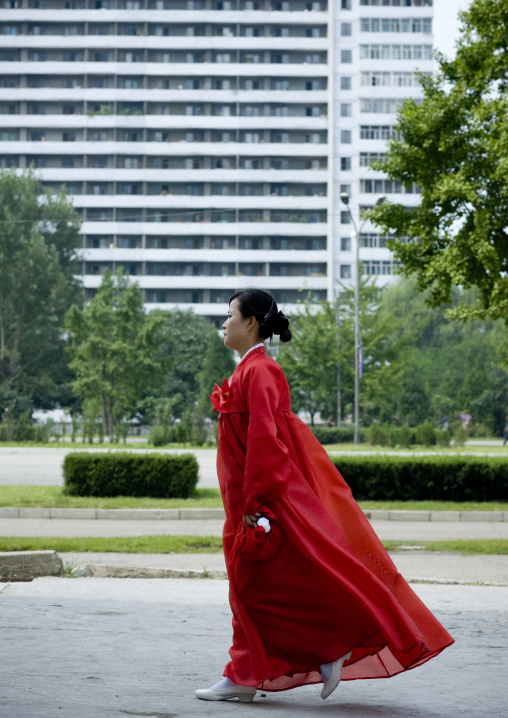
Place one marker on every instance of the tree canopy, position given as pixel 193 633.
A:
pixel 454 145
pixel 114 345
pixel 39 236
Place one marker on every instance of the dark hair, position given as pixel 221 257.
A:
pixel 263 307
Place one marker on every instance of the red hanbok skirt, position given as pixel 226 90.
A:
pixel 331 587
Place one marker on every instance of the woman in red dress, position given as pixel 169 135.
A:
pixel 314 595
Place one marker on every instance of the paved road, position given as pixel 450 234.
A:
pixel 21 466
pixel 386 530
pixel 93 648
pixel 31 465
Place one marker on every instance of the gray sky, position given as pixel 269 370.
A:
pixel 446 25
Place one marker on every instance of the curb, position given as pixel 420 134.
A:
pixel 8 512
pixel 99 570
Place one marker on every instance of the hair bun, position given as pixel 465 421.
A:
pixel 281 326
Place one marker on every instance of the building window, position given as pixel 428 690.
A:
pixel 345 217
pixel 346 56
pixel 367 158
pixel 345 83
pixel 345 163
pixel 346 29
pixel 346 137
pixel 378 132
pixel 346 109
pixel 379 105
pixel 345 5
pixel 345 271
pixel 345 244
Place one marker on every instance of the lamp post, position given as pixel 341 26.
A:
pixel 358 345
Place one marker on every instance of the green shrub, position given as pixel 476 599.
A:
pixel 337 434
pixel 459 436
pixel 161 435
pixel 130 474
pixel 429 478
pixel 426 434
pixel 406 436
pixel 443 437
pixel 23 432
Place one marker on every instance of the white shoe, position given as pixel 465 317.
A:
pixel 333 681
pixel 245 694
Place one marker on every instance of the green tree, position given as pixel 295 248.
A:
pixel 310 360
pixel 451 367
pixel 386 338
pixel 113 343
pixel 182 348
pixel 218 364
pixel 454 145
pixel 39 236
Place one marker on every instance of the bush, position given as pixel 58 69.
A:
pixel 443 437
pixel 459 436
pixel 337 434
pixel 130 474
pixel 161 435
pixel 429 478
pixel 426 434
pixel 406 436
pixel 22 432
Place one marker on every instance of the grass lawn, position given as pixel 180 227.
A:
pixel 54 497
pixel 213 544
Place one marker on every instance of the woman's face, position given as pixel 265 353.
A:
pixel 236 328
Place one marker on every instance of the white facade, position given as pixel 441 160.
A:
pixel 207 142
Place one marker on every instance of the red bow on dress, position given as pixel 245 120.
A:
pixel 221 397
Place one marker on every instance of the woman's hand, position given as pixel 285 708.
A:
pixel 251 520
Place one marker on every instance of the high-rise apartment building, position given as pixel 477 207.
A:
pixel 206 142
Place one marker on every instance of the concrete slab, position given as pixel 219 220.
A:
pixel 386 530
pixel 409 515
pixel 414 565
pixel 27 565
pixel 95 648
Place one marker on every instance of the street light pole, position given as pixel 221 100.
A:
pixel 358 345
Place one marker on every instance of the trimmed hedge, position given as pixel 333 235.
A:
pixel 418 478
pixel 130 474
pixel 336 434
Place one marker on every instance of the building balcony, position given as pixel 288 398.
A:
pixel 189 229
pixel 168 149
pixel 202 69
pixel 213 256
pixel 163 17
pixel 111 174
pixel 165 122
pixel 92 281
pixel 199 203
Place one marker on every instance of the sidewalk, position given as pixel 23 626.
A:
pixel 386 530
pixel 415 566
pixel 106 648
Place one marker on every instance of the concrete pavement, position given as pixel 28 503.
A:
pixel 386 530
pixel 415 566
pixel 100 648
pixel 34 466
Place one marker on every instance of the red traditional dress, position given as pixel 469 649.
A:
pixel 331 587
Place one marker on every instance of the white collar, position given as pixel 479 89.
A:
pixel 256 346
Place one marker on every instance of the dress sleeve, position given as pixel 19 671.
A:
pixel 267 465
